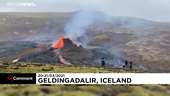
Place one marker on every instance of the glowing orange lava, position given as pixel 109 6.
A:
pixel 59 43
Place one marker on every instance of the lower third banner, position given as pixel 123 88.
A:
pixel 103 78
pixel 85 78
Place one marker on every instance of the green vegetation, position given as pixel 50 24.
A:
pixel 140 91
pixel 85 90
pixel 34 68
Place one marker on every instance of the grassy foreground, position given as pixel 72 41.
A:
pixel 75 90
pixel 35 68
pixel 85 90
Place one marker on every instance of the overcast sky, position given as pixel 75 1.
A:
pixel 157 10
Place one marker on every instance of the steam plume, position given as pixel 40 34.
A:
pixel 79 23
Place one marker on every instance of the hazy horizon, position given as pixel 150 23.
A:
pixel 156 10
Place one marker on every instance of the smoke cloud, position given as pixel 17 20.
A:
pixel 83 19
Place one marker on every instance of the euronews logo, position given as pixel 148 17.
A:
pixel 13 78
pixel 21 4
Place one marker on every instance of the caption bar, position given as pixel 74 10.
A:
pixel 103 78
pixel 85 78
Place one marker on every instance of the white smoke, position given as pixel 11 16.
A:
pixel 81 21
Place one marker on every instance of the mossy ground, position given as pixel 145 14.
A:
pixel 35 68
pixel 84 90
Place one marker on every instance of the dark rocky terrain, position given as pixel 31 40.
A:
pixel 70 54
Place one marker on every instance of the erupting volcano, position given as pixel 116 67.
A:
pixel 64 43
pixel 65 51
pixel 59 43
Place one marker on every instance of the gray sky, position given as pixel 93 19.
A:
pixel 157 10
